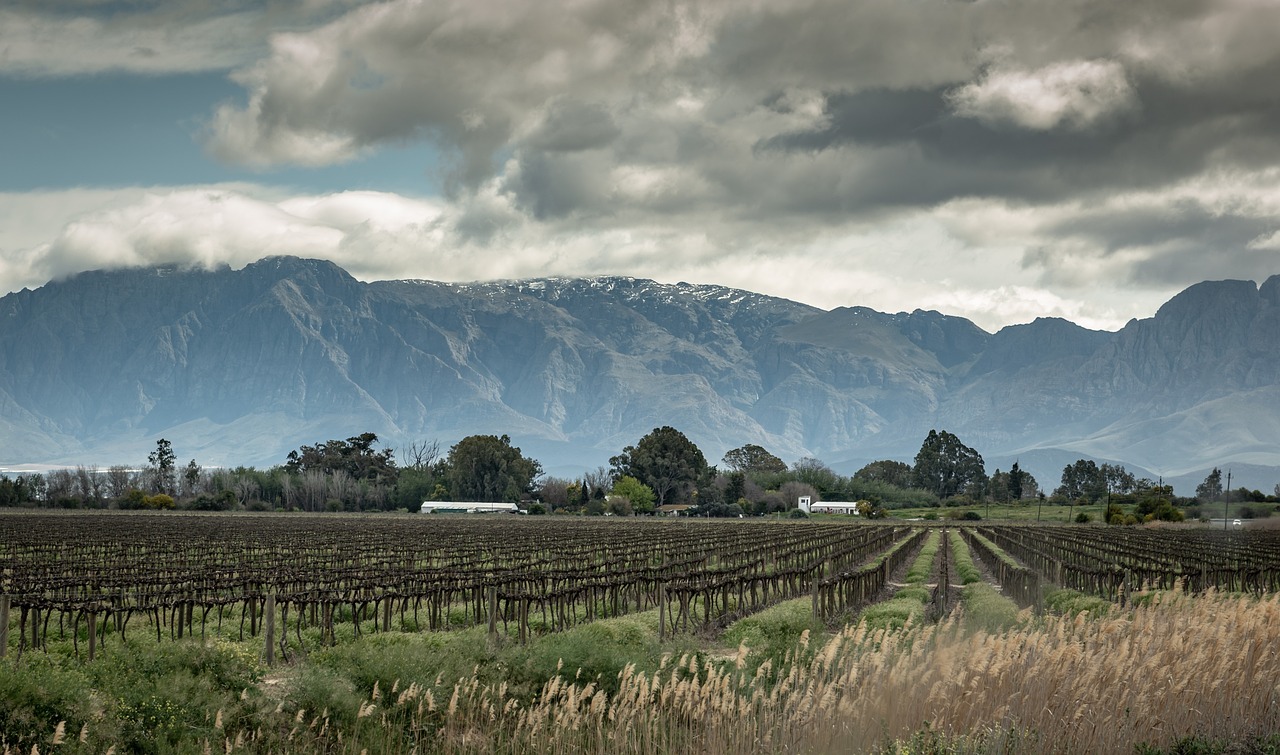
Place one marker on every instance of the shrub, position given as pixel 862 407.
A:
pixel 774 632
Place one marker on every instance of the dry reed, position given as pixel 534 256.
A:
pixel 1175 666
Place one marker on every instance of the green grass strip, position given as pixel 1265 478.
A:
pixel 922 567
pixel 1000 554
pixel 963 560
pixel 909 602
pixel 986 609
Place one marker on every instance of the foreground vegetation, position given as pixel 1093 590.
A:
pixel 1172 667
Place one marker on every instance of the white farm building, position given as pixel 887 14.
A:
pixel 807 505
pixel 467 507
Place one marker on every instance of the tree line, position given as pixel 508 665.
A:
pixel 663 470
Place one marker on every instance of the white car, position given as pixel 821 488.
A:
pixel 1237 523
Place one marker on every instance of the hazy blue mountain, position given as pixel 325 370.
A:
pixel 239 367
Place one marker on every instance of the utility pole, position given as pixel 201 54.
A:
pixel 1225 501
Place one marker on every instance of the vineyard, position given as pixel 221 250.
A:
pixel 94 575
pixel 158 632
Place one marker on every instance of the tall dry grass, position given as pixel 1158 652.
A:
pixel 1173 667
pixel 1170 667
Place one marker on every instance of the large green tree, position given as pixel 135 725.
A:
pixel 1211 488
pixel 665 460
pixel 888 471
pixel 489 468
pixel 356 456
pixel 752 459
pixel 1083 479
pixel 947 467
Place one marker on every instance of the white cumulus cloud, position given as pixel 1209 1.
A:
pixel 1074 94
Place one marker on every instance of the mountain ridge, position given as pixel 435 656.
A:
pixel 96 366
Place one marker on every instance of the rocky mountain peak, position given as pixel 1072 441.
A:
pixel 241 366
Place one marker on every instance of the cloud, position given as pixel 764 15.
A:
pixel 50 38
pixel 989 159
pixel 1074 94
pixel 42 45
pixel 919 261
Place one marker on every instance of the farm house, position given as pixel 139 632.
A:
pixel 806 504
pixel 834 507
pixel 468 507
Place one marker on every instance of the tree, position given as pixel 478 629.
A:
pixel 554 492
pixel 489 468
pixel 735 487
pixel 191 478
pixel 793 491
pixel 162 461
pixel 815 472
pixel 421 454
pixel 870 510
pixel 119 481
pixel 355 456
pixel 595 484
pixel 1157 503
pixel 1083 479
pixel 1000 487
pixel 665 460
pixel 890 472
pixel 1211 488
pixel 947 467
pixel 1118 479
pixel 1018 480
pixel 639 494
pixel 752 459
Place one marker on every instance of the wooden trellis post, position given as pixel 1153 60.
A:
pixel 662 611
pixel 269 624
pixel 4 625
pixel 93 634
pixel 493 616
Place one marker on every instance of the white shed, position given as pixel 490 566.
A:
pixel 468 507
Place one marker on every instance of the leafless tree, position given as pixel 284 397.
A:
pixel 341 486
pixel 314 486
pixel 119 481
pixel 287 490
pixel 61 484
pixel 599 479
pixel 96 483
pixel 555 492
pixel 246 488
pixel 421 454
pixel 84 485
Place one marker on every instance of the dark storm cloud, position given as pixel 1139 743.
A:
pixel 1178 132
pixel 571 126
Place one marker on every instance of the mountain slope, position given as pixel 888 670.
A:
pixel 239 367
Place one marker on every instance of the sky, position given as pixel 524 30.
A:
pixel 997 160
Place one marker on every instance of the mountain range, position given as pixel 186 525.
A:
pixel 238 367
